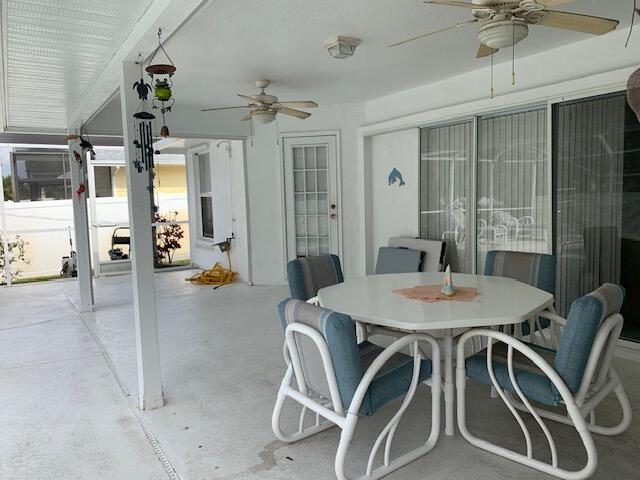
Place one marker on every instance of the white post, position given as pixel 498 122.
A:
pixel 93 218
pixel 81 224
pixel 144 294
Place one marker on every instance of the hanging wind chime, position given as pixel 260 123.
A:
pixel 143 140
pixel 162 73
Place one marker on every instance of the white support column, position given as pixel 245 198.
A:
pixel 4 237
pixel 81 225
pixel 144 294
pixel 93 219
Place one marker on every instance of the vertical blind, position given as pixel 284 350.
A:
pixel 513 190
pixel 446 156
pixel 588 171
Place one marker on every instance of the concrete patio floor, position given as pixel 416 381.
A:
pixel 68 383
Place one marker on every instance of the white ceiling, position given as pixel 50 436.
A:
pixel 230 43
pixel 54 50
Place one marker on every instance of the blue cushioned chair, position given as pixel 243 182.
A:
pixel 577 376
pixel 342 381
pixel 307 275
pixel 535 269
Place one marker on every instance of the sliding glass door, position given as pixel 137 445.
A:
pixel 597 201
pixel 485 186
pixel 513 184
pixel 446 190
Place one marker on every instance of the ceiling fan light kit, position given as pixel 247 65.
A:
pixel 342 47
pixel 503 33
pixel 263 117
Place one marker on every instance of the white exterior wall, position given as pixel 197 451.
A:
pixel 229 208
pixel 266 190
pixel 395 208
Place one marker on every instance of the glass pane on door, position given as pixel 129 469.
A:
pixel 446 156
pixel 310 184
pixel 513 188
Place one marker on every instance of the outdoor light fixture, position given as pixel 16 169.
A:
pixel 162 88
pixel 341 47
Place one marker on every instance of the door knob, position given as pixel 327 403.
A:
pixel 334 216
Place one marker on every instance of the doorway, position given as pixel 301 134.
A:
pixel 311 196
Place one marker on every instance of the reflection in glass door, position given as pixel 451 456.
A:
pixel 446 189
pixel 513 184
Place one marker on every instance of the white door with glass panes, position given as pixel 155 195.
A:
pixel 311 196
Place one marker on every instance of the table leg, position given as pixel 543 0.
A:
pixel 449 389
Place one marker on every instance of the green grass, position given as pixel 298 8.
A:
pixel 42 278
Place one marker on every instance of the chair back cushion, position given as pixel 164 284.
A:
pixel 435 259
pixel 399 260
pixel 535 269
pixel 307 275
pixel 339 332
pixel 585 317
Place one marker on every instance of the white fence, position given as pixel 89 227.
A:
pixel 46 226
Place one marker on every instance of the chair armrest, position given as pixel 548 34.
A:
pixel 554 317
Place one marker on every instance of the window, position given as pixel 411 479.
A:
pixel 40 175
pixel 205 195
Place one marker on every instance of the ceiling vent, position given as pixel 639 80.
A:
pixel 341 47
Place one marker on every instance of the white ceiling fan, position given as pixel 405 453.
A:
pixel 263 108
pixel 507 22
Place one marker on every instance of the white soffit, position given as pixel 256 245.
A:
pixel 54 51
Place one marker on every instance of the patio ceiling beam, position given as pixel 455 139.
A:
pixel 170 15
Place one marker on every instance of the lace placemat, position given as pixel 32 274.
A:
pixel 432 294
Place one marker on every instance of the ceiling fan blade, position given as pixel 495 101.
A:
pixel 457 25
pixel 293 113
pixel 484 51
pixel 222 108
pixel 246 117
pixel 578 23
pixel 299 104
pixel 454 3
pixel 250 99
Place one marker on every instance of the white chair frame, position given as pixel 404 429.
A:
pixel 598 381
pixel 332 410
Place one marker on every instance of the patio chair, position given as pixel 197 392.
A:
pixel 435 251
pixel 342 381
pixel 399 260
pixel 578 376
pixel 307 275
pixel 535 269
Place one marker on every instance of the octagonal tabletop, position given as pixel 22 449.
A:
pixel 371 300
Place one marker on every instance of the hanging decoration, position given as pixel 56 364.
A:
pixel 162 73
pixel 80 146
pixel 633 92
pixel 143 140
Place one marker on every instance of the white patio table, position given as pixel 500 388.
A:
pixel 501 301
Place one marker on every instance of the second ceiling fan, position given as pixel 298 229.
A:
pixel 507 22
pixel 263 108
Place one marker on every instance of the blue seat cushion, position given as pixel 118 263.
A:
pixel 533 383
pixel 392 381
